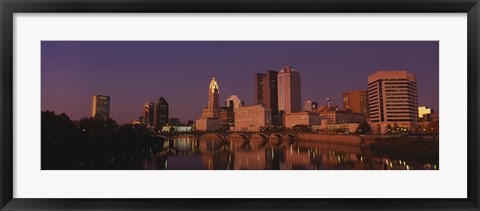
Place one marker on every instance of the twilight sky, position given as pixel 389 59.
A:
pixel 135 72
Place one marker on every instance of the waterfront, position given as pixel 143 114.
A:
pixel 255 153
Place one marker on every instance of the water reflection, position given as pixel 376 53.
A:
pixel 275 153
pixel 257 153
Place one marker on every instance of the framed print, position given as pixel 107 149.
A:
pixel 239 105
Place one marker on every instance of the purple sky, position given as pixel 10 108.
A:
pixel 134 72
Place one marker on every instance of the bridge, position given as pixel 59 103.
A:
pixel 228 136
pixel 233 141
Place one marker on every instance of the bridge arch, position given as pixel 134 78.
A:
pixel 236 134
pixel 185 136
pixel 263 135
pixel 165 138
pixel 276 135
pixel 211 135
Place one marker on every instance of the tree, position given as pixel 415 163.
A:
pixel 363 128
pixel 301 129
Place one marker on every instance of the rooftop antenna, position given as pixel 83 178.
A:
pixel 328 102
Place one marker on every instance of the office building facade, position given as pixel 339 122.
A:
pixel 252 118
pixel 266 92
pixel 356 101
pixel 310 106
pixel 101 106
pixel 393 99
pixel 161 113
pixel 289 90
pixel 149 113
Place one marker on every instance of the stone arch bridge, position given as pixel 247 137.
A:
pixel 226 136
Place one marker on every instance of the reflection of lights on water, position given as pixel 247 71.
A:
pixel 361 159
pixel 166 163
pixel 391 164
pixel 408 168
pixel 435 167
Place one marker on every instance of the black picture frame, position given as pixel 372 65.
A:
pixel 9 7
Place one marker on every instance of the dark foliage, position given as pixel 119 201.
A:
pixel 66 145
pixel 419 150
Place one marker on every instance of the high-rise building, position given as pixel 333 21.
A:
pixel 289 91
pixel 266 90
pixel 149 113
pixel 101 106
pixel 356 101
pixel 210 115
pixel 233 102
pixel 161 113
pixel 310 106
pixel 213 109
pixel 392 97
pixel 259 88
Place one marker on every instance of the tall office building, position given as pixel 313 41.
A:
pixel 149 113
pixel 210 115
pixel 161 113
pixel 289 91
pixel 213 108
pixel 259 88
pixel 266 90
pixel 101 106
pixel 356 101
pixel 392 97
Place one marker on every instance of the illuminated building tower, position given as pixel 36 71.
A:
pixel 161 113
pixel 393 100
pixel 266 91
pixel 289 91
pixel 101 106
pixel 213 109
pixel 149 113
pixel 210 115
pixel 356 101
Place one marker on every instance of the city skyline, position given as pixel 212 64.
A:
pixel 131 75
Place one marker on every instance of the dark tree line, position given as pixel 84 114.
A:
pixel 66 144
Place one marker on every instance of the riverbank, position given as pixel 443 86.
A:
pixel 410 150
pixel 361 140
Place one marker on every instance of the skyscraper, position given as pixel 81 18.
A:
pixel 356 101
pixel 393 99
pixel 149 113
pixel 213 109
pixel 266 92
pixel 101 106
pixel 289 90
pixel 210 115
pixel 259 88
pixel 161 113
